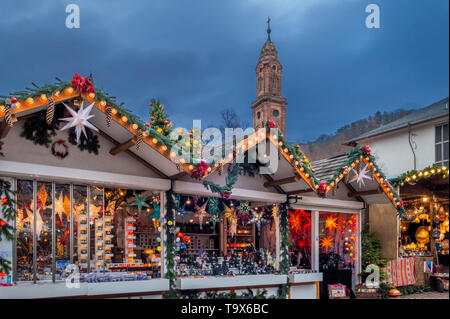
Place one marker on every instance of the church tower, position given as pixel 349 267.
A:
pixel 269 104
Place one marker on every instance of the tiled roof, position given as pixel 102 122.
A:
pixel 436 110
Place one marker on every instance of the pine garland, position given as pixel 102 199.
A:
pixel 285 262
pixel 90 144
pixel 8 214
pixel 425 173
pixel 38 131
pixel 355 154
pixel 170 244
pixel 230 180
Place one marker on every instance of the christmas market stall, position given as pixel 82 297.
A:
pixel 227 236
pixel 424 228
pixel 83 185
pixel 350 184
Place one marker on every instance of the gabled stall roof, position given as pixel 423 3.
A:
pixel 294 174
pixel 123 131
pixel 343 169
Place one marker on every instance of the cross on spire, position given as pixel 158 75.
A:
pixel 268 29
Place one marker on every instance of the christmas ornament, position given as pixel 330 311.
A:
pixel 330 223
pixel 50 110
pixel 229 214
pixel 201 213
pixel 82 85
pixel 245 211
pixel 156 213
pixel 108 112
pixel 139 202
pixel 326 243
pixel 361 175
pixel 8 115
pixel 258 219
pixel 322 190
pixel 139 140
pixel 60 149
pixel 181 211
pixel 79 120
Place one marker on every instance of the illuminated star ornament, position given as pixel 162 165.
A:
pixel 200 213
pixel 79 120
pixel 258 219
pixel 326 243
pixel 139 202
pixel 156 213
pixel 361 176
pixel 331 222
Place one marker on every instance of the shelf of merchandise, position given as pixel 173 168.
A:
pixel 129 239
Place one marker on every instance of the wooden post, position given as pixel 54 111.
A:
pixel 315 240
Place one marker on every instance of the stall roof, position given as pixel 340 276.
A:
pixel 124 130
pixel 371 186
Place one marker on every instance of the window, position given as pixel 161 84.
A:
pixel 110 234
pixel 441 145
pixel 300 238
pixel 258 115
pixel 275 113
pixel 338 241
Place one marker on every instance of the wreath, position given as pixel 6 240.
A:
pixel 56 149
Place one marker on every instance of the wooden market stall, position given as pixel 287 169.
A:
pixel 423 231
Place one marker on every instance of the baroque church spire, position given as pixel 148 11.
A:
pixel 269 104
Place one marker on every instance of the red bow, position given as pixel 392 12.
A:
pixel 367 149
pixel 200 171
pixel 81 84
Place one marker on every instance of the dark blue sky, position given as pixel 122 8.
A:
pixel 199 56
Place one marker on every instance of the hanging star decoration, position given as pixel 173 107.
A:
pixel 245 211
pixel 330 223
pixel 139 202
pixel 299 221
pixel 156 213
pixel 201 213
pixel 229 214
pixel 181 211
pixel 361 175
pixel 233 227
pixel 326 243
pixel 79 120
pixel 213 209
pixel 214 219
pixel 258 219
pixel 59 205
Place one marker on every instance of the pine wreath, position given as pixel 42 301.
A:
pixel 89 144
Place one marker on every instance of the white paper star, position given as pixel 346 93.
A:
pixel 361 176
pixel 79 120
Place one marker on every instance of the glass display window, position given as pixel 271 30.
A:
pixel 110 234
pixel 300 238
pixel 338 240
pixel 221 237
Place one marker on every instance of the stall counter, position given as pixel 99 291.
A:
pixel 305 286
pixel 153 288
pixel 237 284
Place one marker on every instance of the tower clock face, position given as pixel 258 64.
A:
pixel 275 113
